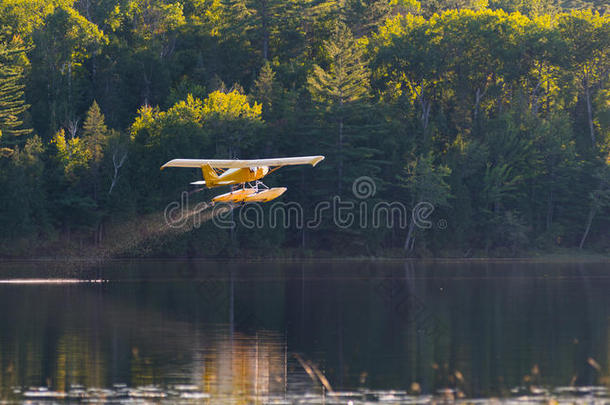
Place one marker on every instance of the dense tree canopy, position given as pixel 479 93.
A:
pixel 496 112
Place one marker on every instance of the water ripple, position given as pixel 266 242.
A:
pixel 192 394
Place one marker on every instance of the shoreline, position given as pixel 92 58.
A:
pixel 555 257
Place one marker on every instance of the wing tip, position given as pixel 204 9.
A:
pixel 316 160
pixel 167 164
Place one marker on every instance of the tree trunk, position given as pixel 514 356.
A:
pixel 548 98
pixel 425 115
pixel 590 113
pixel 477 102
pixel 425 107
pixel 147 82
pixel 592 213
pixel 340 150
pixel 303 240
pixel 69 107
pixel 409 240
pixel 117 163
pixel 549 211
pixel 265 22
pixel 535 99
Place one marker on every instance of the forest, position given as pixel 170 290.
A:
pixel 495 112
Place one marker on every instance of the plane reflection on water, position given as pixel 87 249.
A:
pixel 233 332
pixel 245 368
pixel 118 344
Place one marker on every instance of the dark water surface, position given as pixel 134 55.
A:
pixel 378 331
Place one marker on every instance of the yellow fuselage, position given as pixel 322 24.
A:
pixel 232 176
pixel 240 176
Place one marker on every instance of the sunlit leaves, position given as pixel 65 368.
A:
pixel 72 153
pixel 22 17
pixel 189 124
pixel 68 37
pixel 232 105
pixel 151 19
pixel 95 133
pixel 347 77
pixel 504 97
pixel 206 13
pixel 12 98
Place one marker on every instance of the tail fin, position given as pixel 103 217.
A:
pixel 209 175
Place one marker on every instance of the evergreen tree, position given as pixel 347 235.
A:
pixel 23 205
pixel 425 182
pixel 339 92
pixel 364 16
pixel 95 138
pixel 265 89
pixel 509 96
pixel 12 102
pixel 95 132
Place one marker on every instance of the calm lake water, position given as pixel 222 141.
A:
pixel 373 331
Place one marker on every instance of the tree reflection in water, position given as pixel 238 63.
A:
pixel 219 330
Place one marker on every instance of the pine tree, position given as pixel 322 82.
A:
pixel 426 184
pixel 364 16
pixel 237 19
pixel 340 91
pixel 265 89
pixel 95 132
pixel 272 28
pixel 95 137
pixel 12 102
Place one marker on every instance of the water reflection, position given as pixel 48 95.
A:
pixel 386 331
pixel 60 337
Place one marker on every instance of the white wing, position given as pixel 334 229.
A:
pixel 228 164
pixel 202 183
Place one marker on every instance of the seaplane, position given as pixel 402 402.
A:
pixel 243 176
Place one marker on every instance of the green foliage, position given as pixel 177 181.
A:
pixel 12 101
pixel 216 126
pixel 497 112
pixel 340 92
pixel 94 133
pixel 346 79
pixel 425 181
pixel 265 89
pixel 23 203
pixel 232 121
pixel 177 131
pixel 22 17
pixel 72 153
pixel 62 44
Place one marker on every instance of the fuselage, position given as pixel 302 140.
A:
pixel 244 175
pixel 232 176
